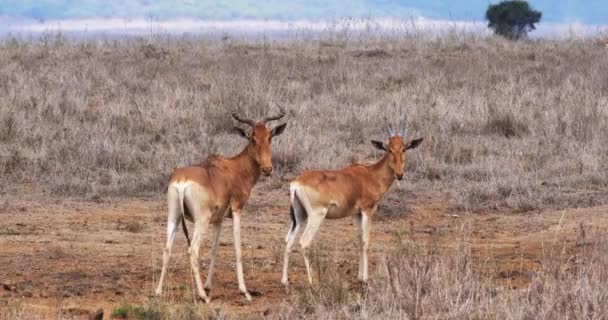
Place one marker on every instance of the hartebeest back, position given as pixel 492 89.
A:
pixel 351 191
pixel 217 188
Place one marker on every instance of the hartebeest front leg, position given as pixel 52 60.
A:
pixel 236 229
pixel 364 228
pixel 215 244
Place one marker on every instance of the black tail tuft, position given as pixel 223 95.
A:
pixel 185 230
pixel 292 214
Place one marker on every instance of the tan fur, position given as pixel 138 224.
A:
pixel 211 191
pixel 334 194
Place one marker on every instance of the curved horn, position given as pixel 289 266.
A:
pixel 277 117
pixel 239 119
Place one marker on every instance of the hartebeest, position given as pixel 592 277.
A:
pixel 217 188
pixel 351 191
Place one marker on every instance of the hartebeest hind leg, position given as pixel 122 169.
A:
pixel 314 221
pixel 201 224
pixel 174 218
pixel 215 244
pixel 298 217
pixel 236 229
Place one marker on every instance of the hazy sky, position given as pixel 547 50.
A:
pixel 556 11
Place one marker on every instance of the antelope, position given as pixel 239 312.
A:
pixel 216 189
pixel 335 194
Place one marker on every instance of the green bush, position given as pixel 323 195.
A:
pixel 512 19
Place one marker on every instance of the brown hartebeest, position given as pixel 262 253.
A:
pixel 351 191
pixel 218 188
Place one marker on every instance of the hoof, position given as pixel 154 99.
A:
pixel 247 296
pixel 207 291
pixel 205 300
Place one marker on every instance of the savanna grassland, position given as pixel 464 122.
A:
pixel 515 159
pixel 516 126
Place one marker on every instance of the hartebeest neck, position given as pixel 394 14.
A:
pixel 247 166
pixel 382 173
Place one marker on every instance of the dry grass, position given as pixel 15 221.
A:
pixel 14 310
pixel 507 125
pixel 431 282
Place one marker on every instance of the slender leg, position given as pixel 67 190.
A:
pixel 291 226
pixel 290 239
pixel 314 221
pixel 360 272
pixel 364 226
pixel 236 229
pixel 173 220
pixel 215 244
pixel 200 227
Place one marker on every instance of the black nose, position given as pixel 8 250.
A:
pixel 399 176
pixel 267 171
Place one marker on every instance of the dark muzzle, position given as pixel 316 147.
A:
pixel 267 171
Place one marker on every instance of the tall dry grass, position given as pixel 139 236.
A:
pixel 433 282
pixel 506 125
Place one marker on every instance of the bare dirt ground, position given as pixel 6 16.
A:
pixel 66 258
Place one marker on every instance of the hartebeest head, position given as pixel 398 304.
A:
pixel 260 138
pixel 396 150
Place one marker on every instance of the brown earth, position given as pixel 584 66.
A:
pixel 70 258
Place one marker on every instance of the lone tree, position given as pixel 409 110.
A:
pixel 512 19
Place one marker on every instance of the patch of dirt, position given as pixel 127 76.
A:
pixel 77 257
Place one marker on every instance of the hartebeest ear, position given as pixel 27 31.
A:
pixel 278 129
pixel 379 145
pixel 414 143
pixel 241 132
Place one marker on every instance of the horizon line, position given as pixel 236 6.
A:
pixel 194 26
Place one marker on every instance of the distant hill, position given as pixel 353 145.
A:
pixel 588 12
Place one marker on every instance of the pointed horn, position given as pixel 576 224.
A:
pixel 277 117
pixel 402 132
pixel 389 127
pixel 239 119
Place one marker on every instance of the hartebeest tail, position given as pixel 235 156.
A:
pixel 207 193
pixel 351 191
pixel 180 192
pixel 292 215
